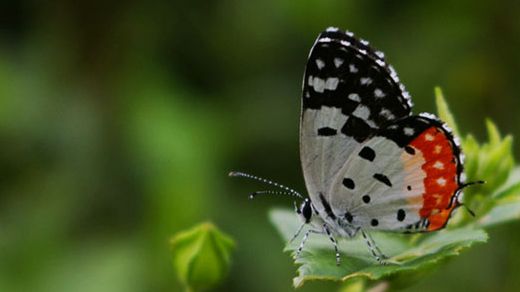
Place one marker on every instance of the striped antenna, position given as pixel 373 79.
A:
pixel 287 190
pixel 457 193
pixel 268 192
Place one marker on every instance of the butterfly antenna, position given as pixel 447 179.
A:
pixel 287 190
pixel 467 209
pixel 463 186
pixel 268 192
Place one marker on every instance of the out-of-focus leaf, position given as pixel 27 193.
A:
pixel 493 133
pixel 444 111
pixel 201 256
pixel 471 149
pixel 506 210
pixel 317 262
pixel 498 164
pixel 353 286
pixel 511 187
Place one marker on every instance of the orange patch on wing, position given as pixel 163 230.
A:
pixel 440 183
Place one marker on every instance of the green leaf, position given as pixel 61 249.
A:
pixel 317 261
pixel 444 111
pixel 201 256
pixel 493 133
pixel 504 211
pixel 511 187
pixel 472 151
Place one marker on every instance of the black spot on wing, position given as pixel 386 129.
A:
pixel 401 214
pixel 349 183
pixel 327 207
pixel 383 178
pixel 367 153
pixel 409 149
pixel 374 222
pixel 366 199
pixel 326 131
pixel 356 128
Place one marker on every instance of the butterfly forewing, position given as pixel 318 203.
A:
pixel 349 93
pixel 402 179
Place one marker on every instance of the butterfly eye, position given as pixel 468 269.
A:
pixel 306 210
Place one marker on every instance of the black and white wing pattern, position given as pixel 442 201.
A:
pixel 349 93
pixel 405 178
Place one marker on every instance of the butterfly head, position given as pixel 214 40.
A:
pixel 305 210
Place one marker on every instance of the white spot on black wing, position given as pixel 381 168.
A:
pixel 338 62
pixel 320 64
pixel 354 97
pixel 331 83
pixel 318 84
pixel 365 81
pixel 408 131
pixel 378 93
pixel 362 112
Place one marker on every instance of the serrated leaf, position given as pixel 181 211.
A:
pixel 317 262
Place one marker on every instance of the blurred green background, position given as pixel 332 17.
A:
pixel 119 121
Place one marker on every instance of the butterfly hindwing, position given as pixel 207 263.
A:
pixel 405 178
pixel 349 93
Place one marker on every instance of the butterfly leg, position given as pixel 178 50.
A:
pixel 376 252
pixel 333 240
pixel 304 240
pixel 297 232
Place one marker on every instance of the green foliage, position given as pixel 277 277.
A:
pixel 201 256
pixel 495 202
pixel 317 261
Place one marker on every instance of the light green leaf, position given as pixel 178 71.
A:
pixel 201 256
pixel 493 133
pixel 471 149
pixel 511 187
pixel 506 210
pixel 444 111
pixel 317 262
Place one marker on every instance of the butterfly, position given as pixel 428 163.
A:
pixel 369 164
